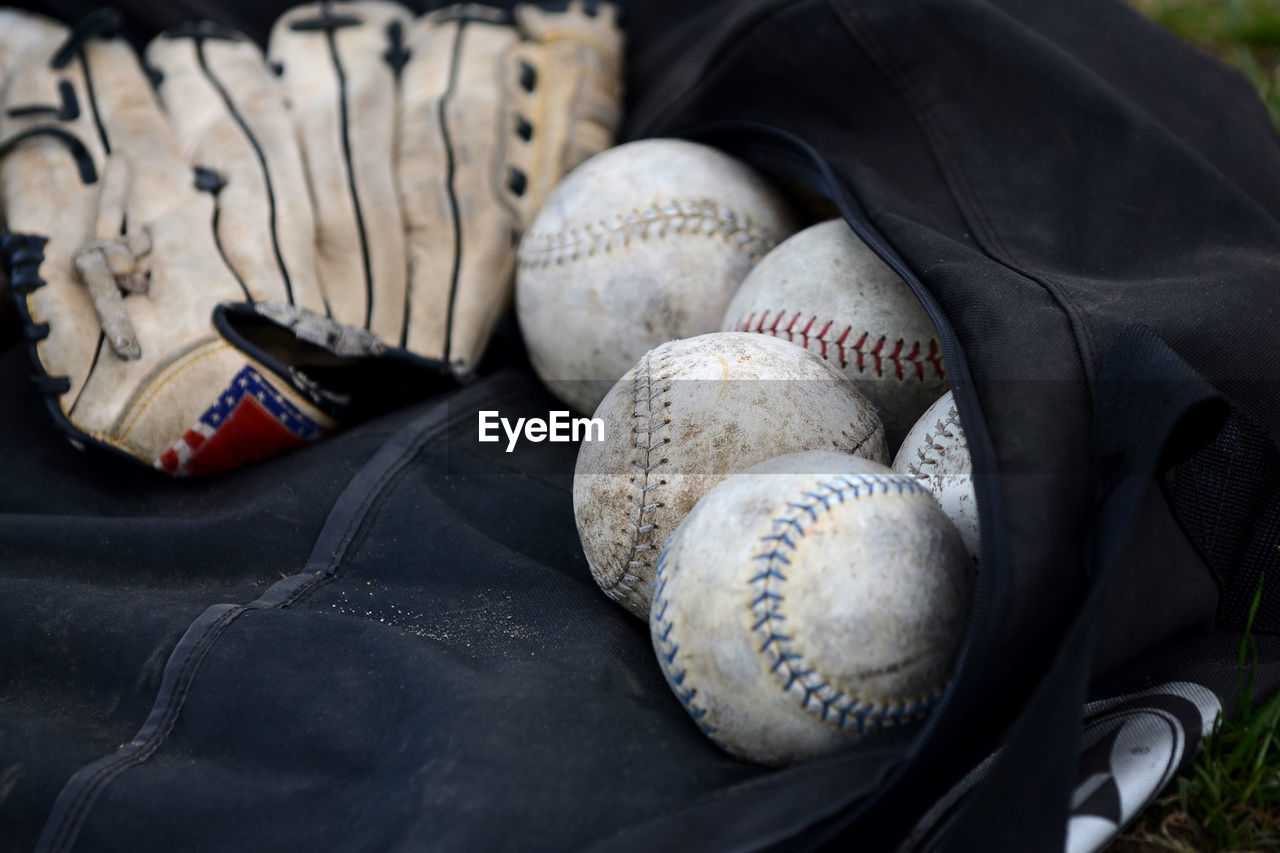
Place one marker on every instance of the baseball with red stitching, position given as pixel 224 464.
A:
pixel 690 413
pixel 639 245
pixel 826 291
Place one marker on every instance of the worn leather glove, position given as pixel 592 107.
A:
pixel 219 257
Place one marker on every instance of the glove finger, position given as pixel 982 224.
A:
pixel 169 402
pixel 339 63
pixel 228 112
pixel 568 73
pixel 136 403
pixel 50 179
pixel 491 117
pixel 459 217
pixel 22 31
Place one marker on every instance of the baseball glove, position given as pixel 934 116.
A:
pixel 218 257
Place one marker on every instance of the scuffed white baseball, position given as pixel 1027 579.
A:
pixel 687 415
pixel 826 291
pixel 936 453
pixel 809 602
pixel 641 244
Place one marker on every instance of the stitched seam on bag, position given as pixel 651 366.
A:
pixel 68 828
pixel 836 348
pixel 758 19
pixel 64 834
pixel 697 217
pixel 373 501
pixel 87 795
pixel 967 200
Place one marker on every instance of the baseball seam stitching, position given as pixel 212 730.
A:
pixel 704 217
pixel 839 345
pixel 856 437
pixel 649 416
pixel 815 692
pixel 929 443
pixel 667 648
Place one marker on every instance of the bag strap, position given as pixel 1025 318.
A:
pixel 1227 496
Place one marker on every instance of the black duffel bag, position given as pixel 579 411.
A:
pixel 390 639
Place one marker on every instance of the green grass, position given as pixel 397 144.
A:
pixel 1245 33
pixel 1229 800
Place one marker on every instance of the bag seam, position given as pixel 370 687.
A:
pixel 968 202
pixel 392 460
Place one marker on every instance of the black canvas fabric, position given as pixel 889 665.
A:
pixel 390 640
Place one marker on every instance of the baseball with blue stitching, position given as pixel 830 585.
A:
pixel 807 603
